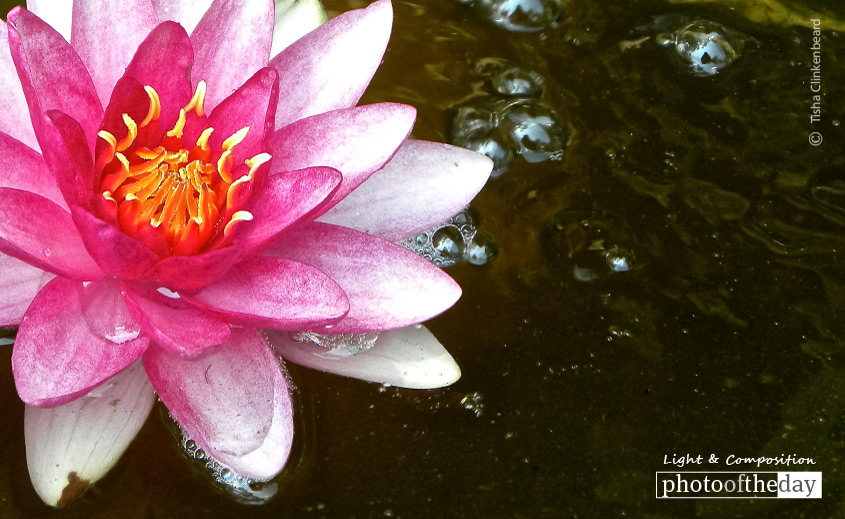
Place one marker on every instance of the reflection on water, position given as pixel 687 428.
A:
pixel 671 283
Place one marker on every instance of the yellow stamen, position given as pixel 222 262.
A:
pixel 196 102
pixel 235 139
pixel 155 107
pixel 179 126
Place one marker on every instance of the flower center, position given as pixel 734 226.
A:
pixel 168 195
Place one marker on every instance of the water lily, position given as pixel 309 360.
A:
pixel 171 193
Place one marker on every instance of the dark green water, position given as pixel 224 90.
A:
pixel 725 338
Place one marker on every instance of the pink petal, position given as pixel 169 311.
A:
pixel 23 168
pixel 57 357
pixel 116 253
pixel 408 357
pixel 252 105
pixel 49 242
pixel 14 118
pixel 223 400
pixel 67 156
pixel 57 13
pixel 163 61
pixel 105 312
pixel 355 141
pixel 185 12
pixel 425 184
pixel 285 199
pixel 192 272
pixel 106 34
pixel 19 283
pixel 330 67
pixel 231 42
pixel 273 293
pixel 172 323
pixel 52 75
pixel 83 439
pixel 268 460
pixel 388 286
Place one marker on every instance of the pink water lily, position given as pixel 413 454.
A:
pixel 171 195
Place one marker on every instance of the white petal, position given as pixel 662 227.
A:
pixel 186 12
pixel 55 12
pixel 424 184
pixel 73 445
pixel 295 19
pixel 408 357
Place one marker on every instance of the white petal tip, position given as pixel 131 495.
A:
pixel 409 357
pixel 70 447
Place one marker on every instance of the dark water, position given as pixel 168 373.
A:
pixel 724 336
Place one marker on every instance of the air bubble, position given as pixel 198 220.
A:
pixel 520 15
pixel 536 130
pixel 448 243
pixel 517 82
pixel 482 249
pixel 703 47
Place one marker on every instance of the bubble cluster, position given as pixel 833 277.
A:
pixel 593 246
pixel 512 121
pixel 473 402
pixel 351 343
pixel 703 47
pixel 457 239
pixel 519 15
pixel 242 489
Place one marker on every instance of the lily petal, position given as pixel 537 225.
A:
pixel 57 13
pixel 253 105
pixel 185 12
pixel 268 460
pixel 52 75
pixel 49 242
pixel 192 272
pixel 19 284
pixel 273 293
pixel 14 118
pixel 224 400
pixel 56 357
pixel 355 141
pixel 94 27
pixel 388 286
pixel 285 199
pixel 408 357
pixel 115 252
pixel 231 42
pixel 425 184
pixel 163 61
pixel 330 67
pixel 72 446
pixel 23 168
pixel 294 19
pixel 172 323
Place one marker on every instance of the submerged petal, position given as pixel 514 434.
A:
pixel 72 446
pixel 423 185
pixel 57 357
pixel 408 357
pixel 330 67
pixel 224 400
pixel 388 286
pixel 106 34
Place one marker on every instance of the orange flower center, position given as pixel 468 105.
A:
pixel 171 193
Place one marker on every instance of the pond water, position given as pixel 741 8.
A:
pixel 668 279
